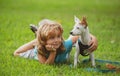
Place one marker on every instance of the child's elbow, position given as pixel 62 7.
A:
pixel 16 53
pixel 50 63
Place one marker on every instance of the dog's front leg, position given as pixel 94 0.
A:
pixel 92 59
pixel 76 55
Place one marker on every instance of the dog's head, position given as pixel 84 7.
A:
pixel 79 26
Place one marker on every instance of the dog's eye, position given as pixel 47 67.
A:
pixel 77 27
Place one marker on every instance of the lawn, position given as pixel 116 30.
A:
pixel 103 18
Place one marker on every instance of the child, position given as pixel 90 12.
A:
pixel 49 46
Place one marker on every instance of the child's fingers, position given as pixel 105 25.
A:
pixel 50 48
pixel 93 46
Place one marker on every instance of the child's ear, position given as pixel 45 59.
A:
pixel 77 20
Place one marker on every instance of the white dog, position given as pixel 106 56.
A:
pixel 81 29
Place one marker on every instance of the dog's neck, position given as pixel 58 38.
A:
pixel 85 37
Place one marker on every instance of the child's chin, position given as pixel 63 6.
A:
pixel 57 47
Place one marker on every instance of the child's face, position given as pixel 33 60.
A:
pixel 55 39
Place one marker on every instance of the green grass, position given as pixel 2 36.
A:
pixel 15 16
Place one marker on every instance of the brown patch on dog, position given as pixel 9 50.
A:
pixel 84 22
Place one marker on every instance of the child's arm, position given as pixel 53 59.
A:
pixel 50 59
pixel 42 59
pixel 25 47
pixel 93 42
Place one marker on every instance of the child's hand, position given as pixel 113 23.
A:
pixel 50 48
pixel 93 43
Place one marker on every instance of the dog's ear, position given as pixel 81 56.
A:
pixel 76 19
pixel 84 22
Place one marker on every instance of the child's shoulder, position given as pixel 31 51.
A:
pixel 68 43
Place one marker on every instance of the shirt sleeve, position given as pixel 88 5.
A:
pixel 68 45
pixel 63 56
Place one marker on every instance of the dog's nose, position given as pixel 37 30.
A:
pixel 71 32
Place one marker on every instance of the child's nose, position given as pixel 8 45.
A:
pixel 56 39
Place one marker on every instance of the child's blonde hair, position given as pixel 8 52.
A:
pixel 45 31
